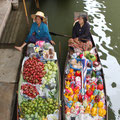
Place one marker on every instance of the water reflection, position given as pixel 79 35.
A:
pixel 102 31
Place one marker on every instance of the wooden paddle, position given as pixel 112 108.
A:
pixel 26 14
pixel 56 34
pixel 37 4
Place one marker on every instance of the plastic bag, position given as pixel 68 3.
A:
pixel 40 43
pixel 47 46
pixel 93 51
pixel 30 49
pixel 54 116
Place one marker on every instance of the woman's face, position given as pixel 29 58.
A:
pixel 38 20
pixel 81 21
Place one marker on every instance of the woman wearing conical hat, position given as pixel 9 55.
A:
pixel 39 31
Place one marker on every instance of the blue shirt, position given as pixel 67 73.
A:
pixel 40 31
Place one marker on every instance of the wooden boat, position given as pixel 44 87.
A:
pixel 30 115
pixel 69 113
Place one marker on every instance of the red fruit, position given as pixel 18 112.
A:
pixel 100 87
pixel 97 98
pixel 92 87
pixel 29 90
pixel 81 55
pixel 80 98
pixel 22 87
pixel 32 70
pixel 36 76
pixel 38 73
pixel 89 92
pixel 77 73
pixel 29 94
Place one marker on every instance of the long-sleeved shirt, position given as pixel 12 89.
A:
pixel 40 31
pixel 81 32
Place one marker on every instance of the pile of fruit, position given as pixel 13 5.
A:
pixel 38 98
pixel 33 71
pixel 49 78
pixel 90 56
pixel 38 108
pixel 87 99
pixel 29 90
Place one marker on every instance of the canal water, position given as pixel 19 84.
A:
pixel 104 18
pixel 105 27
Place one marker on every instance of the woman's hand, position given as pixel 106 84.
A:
pixel 52 42
pixel 76 40
pixel 33 33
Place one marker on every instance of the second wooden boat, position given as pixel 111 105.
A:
pixel 84 90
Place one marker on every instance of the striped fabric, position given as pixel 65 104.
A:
pixel 85 69
pixel 84 73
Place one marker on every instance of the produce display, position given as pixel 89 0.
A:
pixel 84 95
pixel 38 108
pixel 38 94
pixel 33 70
pixel 49 78
pixel 49 54
pixel 90 56
pixel 29 90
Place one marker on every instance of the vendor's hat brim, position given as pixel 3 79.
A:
pixel 40 14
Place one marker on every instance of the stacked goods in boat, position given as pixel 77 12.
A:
pixel 84 87
pixel 39 90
